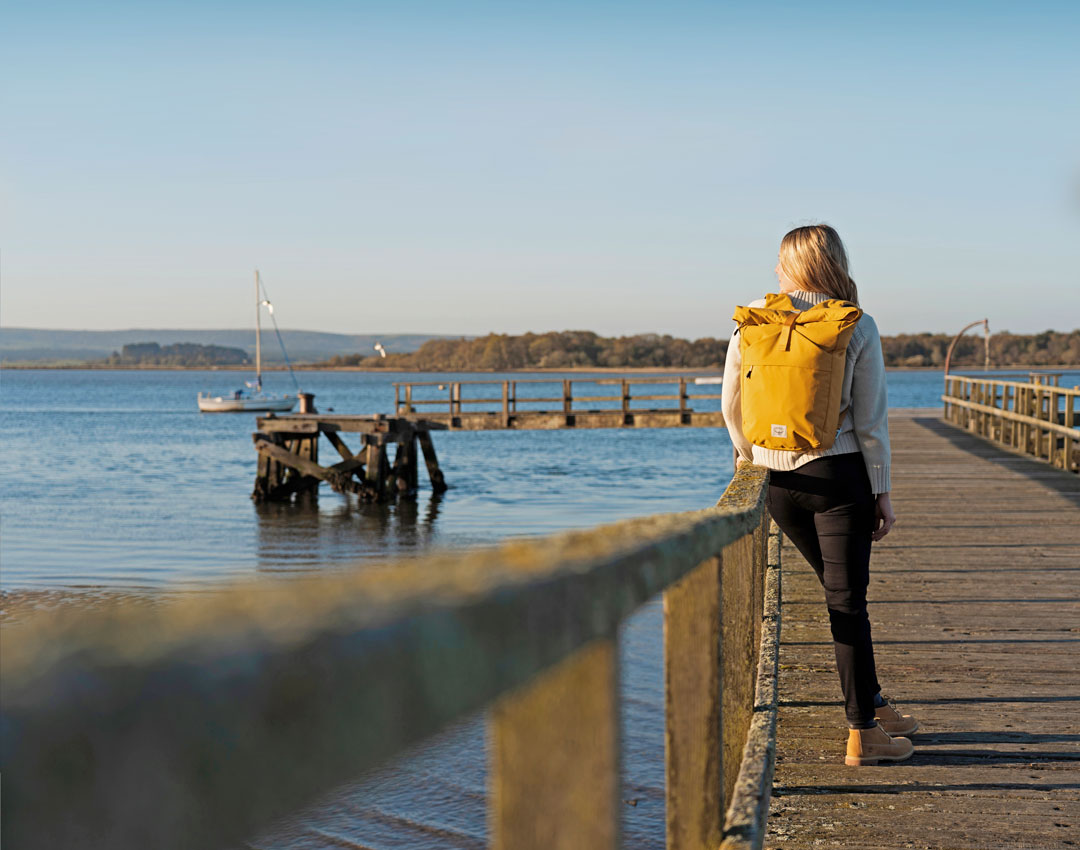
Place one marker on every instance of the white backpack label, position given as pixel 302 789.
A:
pixel 779 431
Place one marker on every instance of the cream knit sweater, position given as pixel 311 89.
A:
pixel 865 427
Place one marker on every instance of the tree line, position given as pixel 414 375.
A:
pixel 584 349
pixel 178 354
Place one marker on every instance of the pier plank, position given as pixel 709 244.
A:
pixel 975 605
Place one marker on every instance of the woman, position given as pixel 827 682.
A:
pixel 832 503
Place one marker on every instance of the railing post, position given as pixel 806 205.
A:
pixel 506 404
pixel 1069 419
pixel 1037 410
pixel 555 757
pixel 1051 436
pixel 397 399
pixel 693 696
pixel 682 400
pixel 1008 426
pixel 408 398
pixel 738 653
pixel 626 402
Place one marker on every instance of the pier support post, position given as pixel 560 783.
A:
pixel 375 469
pixel 278 477
pixel 438 483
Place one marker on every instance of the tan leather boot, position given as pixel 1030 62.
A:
pixel 869 746
pixel 893 722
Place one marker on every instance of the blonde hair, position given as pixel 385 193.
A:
pixel 813 258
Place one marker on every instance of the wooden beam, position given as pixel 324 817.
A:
pixel 339 444
pixel 431 461
pixel 693 619
pixel 555 757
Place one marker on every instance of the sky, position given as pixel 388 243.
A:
pixel 466 167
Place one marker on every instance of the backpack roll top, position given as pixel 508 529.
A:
pixel 793 371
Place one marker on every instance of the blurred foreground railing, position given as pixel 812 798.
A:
pixel 1038 418
pixel 198 724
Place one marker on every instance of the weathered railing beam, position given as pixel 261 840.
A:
pixel 693 696
pixel 748 812
pixel 198 723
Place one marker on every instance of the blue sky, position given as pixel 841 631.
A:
pixel 462 167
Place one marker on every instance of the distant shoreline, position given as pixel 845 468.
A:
pixel 674 370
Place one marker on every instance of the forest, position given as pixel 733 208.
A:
pixel 177 354
pixel 584 349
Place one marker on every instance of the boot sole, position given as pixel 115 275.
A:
pixel 868 761
pixel 896 733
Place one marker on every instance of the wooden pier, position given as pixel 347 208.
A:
pixel 288 445
pixel 288 448
pixel 511 409
pixel 975 607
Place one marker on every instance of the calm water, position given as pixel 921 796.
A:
pixel 114 483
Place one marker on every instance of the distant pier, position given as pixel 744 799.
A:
pixel 288 445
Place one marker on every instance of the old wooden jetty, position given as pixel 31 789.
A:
pixel 975 607
pixel 288 445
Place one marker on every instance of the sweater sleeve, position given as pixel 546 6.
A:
pixel 870 407
pixel 732 398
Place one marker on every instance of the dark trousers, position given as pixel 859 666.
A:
pixel 826 508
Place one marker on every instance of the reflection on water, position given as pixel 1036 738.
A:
pixel 309 533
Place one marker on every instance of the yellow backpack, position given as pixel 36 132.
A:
pixel 793 371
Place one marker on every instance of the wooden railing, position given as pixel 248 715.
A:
pixel 513 402
pixel 1039 418
pixel 198 723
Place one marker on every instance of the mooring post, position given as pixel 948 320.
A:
pixel 307 402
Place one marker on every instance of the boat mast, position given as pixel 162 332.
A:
pixel 258 337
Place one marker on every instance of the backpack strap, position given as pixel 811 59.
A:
pixel 790 325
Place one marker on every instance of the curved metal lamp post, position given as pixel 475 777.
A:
pixel 986 336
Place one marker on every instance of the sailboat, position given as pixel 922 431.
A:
pixel 252 398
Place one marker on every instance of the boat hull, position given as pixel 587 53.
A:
pixel 225 404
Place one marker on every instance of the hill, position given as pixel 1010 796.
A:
pixel 32 344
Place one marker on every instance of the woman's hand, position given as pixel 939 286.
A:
pixel 884 518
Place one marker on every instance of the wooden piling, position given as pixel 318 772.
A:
pixel 438 482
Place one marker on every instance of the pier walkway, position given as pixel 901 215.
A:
pixel 975 605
